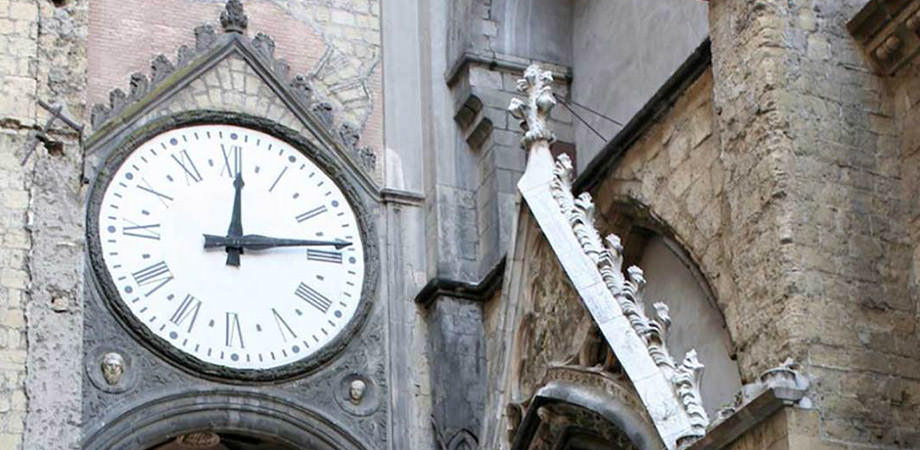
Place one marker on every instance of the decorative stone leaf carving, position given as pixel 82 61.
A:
pixel 204 37
pixel 534 111
pixel 302 88
pixel 139 86
pixel 608 258
pixel 265 45
pixel 183 55
pixel 162 67
pixel 672 398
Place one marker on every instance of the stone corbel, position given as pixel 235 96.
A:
pixel 776 388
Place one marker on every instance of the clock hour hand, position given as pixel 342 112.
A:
pixel 259 242
pixel 236 223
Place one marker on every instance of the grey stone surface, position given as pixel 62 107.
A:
pixel 633 46
pixel 697 322
pixel 458 381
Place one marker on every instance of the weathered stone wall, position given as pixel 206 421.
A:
pixel 809 143
pixel 42 56
pixel 18 42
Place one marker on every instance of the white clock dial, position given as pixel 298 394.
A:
pixel 274 289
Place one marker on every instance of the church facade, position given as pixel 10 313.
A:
pixel 452 225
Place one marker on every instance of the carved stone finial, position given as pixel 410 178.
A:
pixel 232 18
pixel 534 111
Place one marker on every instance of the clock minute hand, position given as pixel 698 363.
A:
pixel 259 242
pixel 236 223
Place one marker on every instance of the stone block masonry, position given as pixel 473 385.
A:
pixel 809 142
pixel 18 46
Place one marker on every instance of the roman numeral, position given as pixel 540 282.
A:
pixel 324 256
pixel 187 311
pixel 156 275
pixel 311 213
pixel 282 325
pixel 146 187
pixel 234 331
pixel 233 159
pixel 315 299
pixel 143 231
pixel 185 161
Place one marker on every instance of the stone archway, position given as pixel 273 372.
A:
pixel 584 409
pixel 251 417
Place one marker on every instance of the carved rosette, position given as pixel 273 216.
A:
pixel 534 111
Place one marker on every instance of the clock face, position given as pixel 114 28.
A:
pixel 231 246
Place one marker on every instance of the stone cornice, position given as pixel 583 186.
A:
pixel 889 33
pixel 509 63
pixel 480 292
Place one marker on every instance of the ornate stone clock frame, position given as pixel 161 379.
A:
pixel 147 392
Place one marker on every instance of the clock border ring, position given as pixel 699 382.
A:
pixel 121 147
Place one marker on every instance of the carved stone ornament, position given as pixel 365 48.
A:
pixel 110 369
pixel 113 367
pixel 357 395
pixel 788 375
pixel 232 18
pixel 607 255
pixel 672 398
pixel 534 111
pixel 198 439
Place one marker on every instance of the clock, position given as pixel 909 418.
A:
pixel 228 249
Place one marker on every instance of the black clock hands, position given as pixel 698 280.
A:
pixel 258 242
pixel 236 224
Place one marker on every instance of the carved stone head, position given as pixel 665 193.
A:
pixel 356 391
pixel 113 367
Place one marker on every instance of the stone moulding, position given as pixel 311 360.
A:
pixel 167 77
pixel 889 33
pixel 669 390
